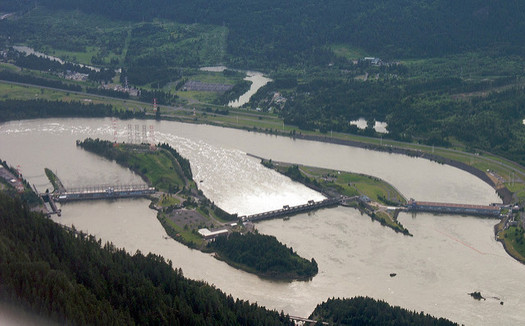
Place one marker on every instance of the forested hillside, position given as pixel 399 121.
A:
pixel 72 278
pixel 269 33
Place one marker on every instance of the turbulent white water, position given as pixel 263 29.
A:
pixel 448 256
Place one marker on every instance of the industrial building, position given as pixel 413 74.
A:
pixel 209 235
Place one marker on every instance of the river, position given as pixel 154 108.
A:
pixel 448 256
pixel 258 80
pixel 28 51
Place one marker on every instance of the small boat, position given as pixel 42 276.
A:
pixel 392 274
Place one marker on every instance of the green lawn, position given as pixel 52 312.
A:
pixel 191 96
pixel 351 184
pixel 188 237
pixel 159 167
pixel 350 53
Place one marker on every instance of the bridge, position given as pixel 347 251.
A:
pixel 287 210
pixel 305 321
pixel 103 192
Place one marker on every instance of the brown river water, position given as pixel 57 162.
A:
pixel 448 256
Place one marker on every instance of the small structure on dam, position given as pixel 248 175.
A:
pixel 449 208
pixel 287 210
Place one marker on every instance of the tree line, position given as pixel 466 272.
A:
pixel 34 109
pixel 367 311
pixel 39 63
pixel 29 79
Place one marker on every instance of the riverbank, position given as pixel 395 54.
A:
pixel 495 180
pixel 504 193
pixel 480 165
pixel 494 171
pixel 511 238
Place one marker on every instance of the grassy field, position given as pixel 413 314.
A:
pixel 195 96
pixel 351 184
pixel 23 92
pixel 186 236
pixel 159 167
pixel 9 67
pixel 76 56
pixel 216 77
pixel 345 51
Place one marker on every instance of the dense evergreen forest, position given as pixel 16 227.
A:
pixel 287 31
pixel 265 254
pixel 271 33
pixel 73 278
pixel 365 311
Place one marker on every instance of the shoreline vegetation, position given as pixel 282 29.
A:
pixel 183 210
pixel 376 198
pixel 493 170
pixel 370 312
